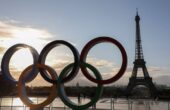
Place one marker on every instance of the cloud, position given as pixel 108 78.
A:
pixel 59 65
pixel 4 33
pixel 2 49
pixel 154 69
pixel 6 29
pixel 164 79
pixel 12 33
pixel 100 63
pixel 14 30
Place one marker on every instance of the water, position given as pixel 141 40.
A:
pixel 105 104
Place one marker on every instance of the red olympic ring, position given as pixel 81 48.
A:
pixel 85 51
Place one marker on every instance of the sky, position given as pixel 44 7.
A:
pixel 38 22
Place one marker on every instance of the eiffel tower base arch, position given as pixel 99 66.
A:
pixel 146 81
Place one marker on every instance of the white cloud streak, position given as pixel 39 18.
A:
pixel 13 33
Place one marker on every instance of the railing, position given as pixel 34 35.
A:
pixel 14 103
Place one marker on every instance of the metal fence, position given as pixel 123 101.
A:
pixel 14 103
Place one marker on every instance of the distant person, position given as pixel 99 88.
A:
pixel 79 99
pixel 84 95
pixel 91 96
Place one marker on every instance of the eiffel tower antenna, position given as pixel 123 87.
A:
pixel 136 11
pixel 140 63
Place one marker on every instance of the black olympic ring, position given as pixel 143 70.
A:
pixel 67 74
pixel 46 50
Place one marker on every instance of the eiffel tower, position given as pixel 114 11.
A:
pixel 140 63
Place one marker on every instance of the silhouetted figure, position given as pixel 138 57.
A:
pixel 91 96
pixel 79 99
pixel 84 96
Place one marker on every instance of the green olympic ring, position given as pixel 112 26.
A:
pixel 66 100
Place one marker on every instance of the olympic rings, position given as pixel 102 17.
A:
pixel 22 89
pixel 95 41
pixel 6 59
pixel 66 100
pixel 44 53
pixel 67 74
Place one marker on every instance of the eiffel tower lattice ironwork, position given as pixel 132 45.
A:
pixel 140 63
